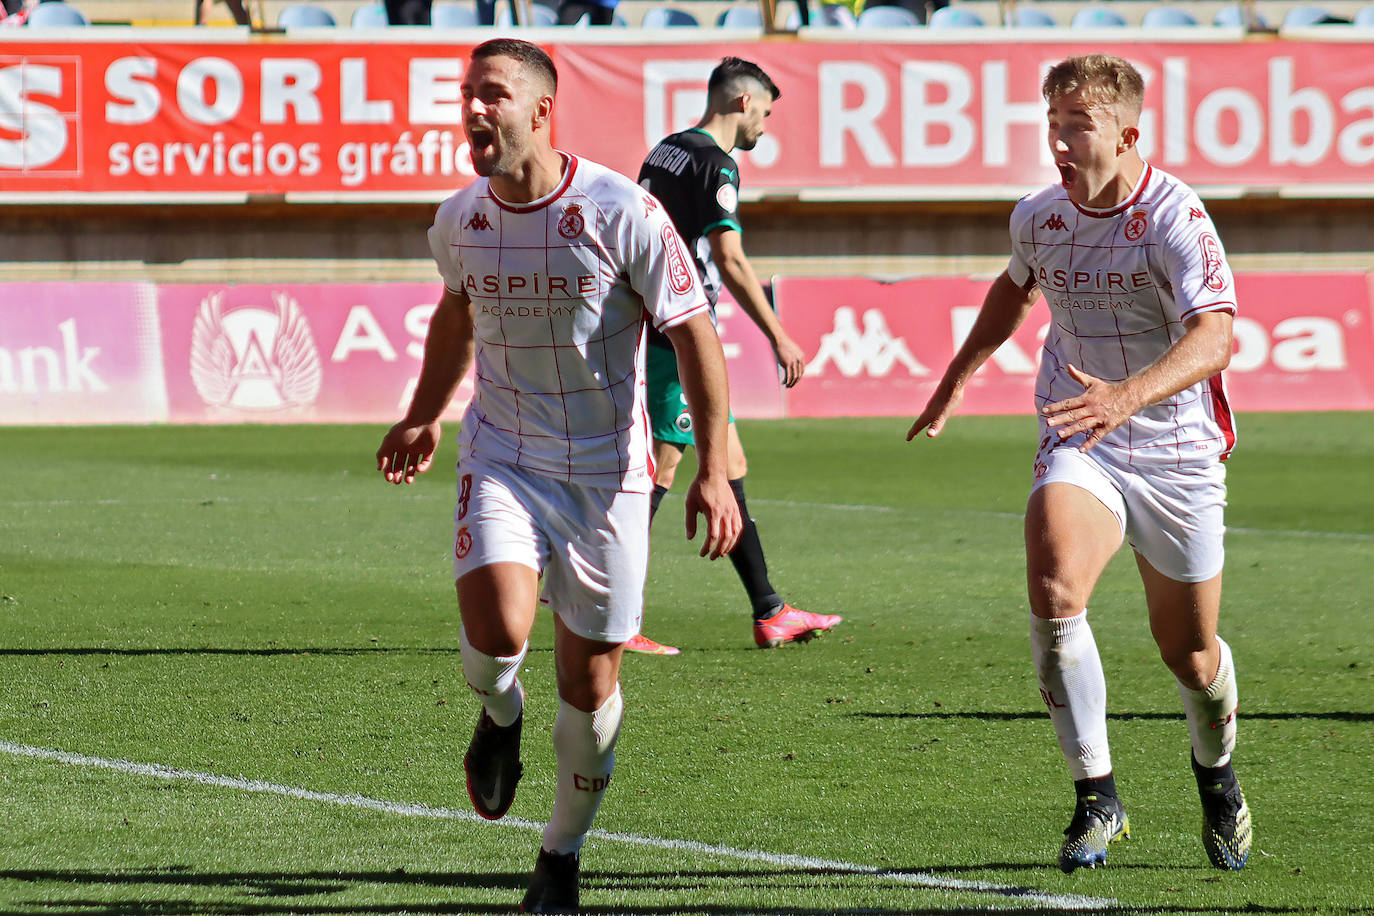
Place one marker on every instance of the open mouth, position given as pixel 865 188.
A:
pixel 480 137
pixel 1067 172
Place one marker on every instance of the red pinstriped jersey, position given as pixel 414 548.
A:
pixel 562 289
pixel 1120 284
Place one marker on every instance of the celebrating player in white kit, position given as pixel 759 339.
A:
pixel 1133 426
pixel 552 267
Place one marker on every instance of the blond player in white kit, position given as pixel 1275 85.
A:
pixel 552 266
pixel 1134 425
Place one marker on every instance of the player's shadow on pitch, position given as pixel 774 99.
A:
pixel 1037 715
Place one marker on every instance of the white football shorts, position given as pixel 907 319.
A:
pixel 1172 516
pixel 590 544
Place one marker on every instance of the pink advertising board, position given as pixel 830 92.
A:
pixel 324 352
pixel 79 353
pixel 1303 341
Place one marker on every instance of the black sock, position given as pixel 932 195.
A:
pixel 659 493
pixel 750 564
pixel 1214 780
pixel 1097 785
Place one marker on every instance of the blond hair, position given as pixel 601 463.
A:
pixel 1106 81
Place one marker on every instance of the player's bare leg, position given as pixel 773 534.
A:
pixel 1070 538
pixel 1183 619
pixel 497 604
pixel 584 735
pixel 667 456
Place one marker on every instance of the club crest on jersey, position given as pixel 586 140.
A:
pixel 1055 222
pixel 479 221
pixel 572 223
pixel 462 542
pixel 1136 225
pixel 680 276
pixel 1213 266
pixel 683 422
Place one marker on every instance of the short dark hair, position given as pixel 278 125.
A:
pixel 732 72
pixel 528 54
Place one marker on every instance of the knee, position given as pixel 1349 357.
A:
pixel 1193 665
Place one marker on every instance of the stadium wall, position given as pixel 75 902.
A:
pixel 1296 212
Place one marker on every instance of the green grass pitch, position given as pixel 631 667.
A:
pixel 246 644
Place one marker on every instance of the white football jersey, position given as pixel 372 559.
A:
pixel 561 291
pixel 1119 284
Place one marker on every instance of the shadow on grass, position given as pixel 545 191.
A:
pixel 1248 715
pixel 255 886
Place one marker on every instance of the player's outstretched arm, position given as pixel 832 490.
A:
pixel 1202 352
pixel 727 251
pixel 701 367
pixel 408 447
pixel 1004 308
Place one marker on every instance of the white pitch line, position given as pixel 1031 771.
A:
pixel 784 860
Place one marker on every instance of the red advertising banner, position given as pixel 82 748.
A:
pixel 224 118
pixel 926 119
pixel 1302 342
pixel 150 119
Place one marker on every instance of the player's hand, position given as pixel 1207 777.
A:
pixel 715 500
pixel 407 449
pixel 791 359
pixel 1101 408
pixel 938 409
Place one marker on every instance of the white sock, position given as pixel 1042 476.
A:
pixel 495 680
pixel 1075 690
pixel 585 745
pixel 1212 713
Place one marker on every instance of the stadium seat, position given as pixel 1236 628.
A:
pixel 1097 17
pixel 544 16
pixel 55 14
pixel 1235 15
pixel 453 16
pixel 304 16
pixel 1028 17
pixel 666 17
pixel 885 17
pixel 585 21
pixel 371 16
pixel 740 17
pixel 953 17
pixel 1167 17
pixel 1304 15
pixel 834 16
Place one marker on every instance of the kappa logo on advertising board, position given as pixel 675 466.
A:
pixel 254 359
pixel 40 126
pixel 874 351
